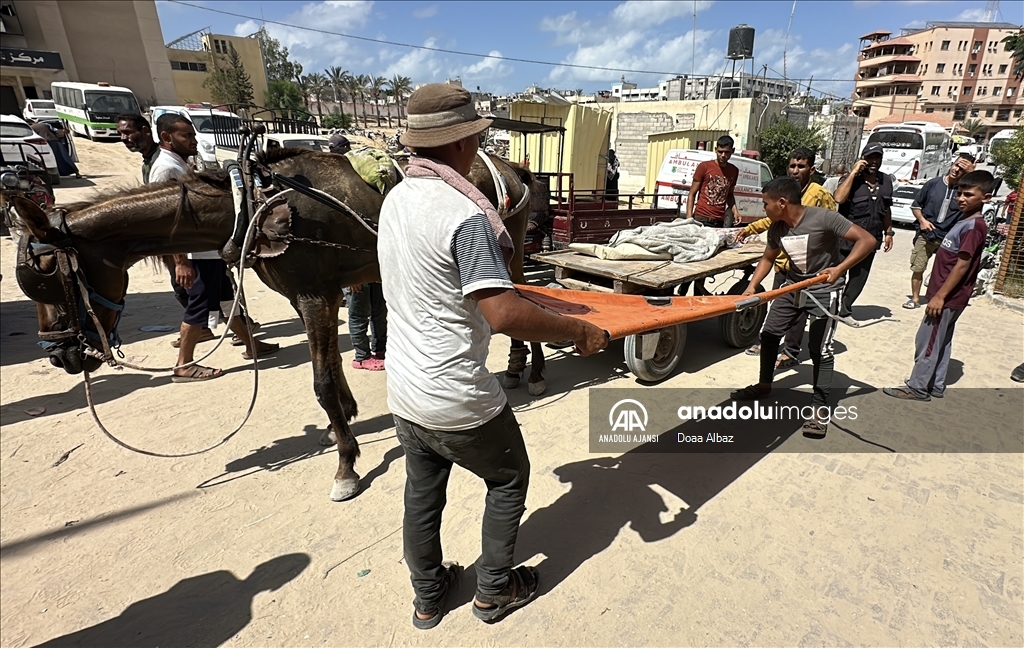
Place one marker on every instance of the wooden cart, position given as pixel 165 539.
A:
pixel 653 356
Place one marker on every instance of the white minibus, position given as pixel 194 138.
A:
pixel 91 109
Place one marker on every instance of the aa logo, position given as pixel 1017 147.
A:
pixel 628 415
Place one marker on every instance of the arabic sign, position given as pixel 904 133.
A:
pixel 30 59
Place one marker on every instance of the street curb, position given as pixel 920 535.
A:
pixel 1008 302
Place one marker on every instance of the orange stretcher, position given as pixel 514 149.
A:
pixel 625 315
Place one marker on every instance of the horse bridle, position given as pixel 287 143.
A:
pixel 66 285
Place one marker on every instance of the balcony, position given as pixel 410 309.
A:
pixel 888 79
pixel 889 58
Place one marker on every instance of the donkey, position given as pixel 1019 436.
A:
pixel 109 235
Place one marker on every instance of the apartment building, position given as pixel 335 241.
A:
pixel 948 71
pixel 46 41
pixel 194 57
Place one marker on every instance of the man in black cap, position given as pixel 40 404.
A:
pixel 864 196
pixel 436 227
pixel 339 144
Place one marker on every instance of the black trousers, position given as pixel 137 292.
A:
pixel 495 452
pixel 856 279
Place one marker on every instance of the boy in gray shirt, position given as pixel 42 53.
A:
pixel 810 237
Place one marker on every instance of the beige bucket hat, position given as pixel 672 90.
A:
pixel 439 114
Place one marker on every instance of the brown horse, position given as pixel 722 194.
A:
pixel 111 234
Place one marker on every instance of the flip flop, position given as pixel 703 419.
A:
pixel 265 349
pixel 814 429
pixel 785 361
pixel 196 373
pixel 451 574
pixel 753 351
pixel 750 392
pixel 910 304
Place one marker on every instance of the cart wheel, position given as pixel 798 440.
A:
pixel 671 342
pixel 742 328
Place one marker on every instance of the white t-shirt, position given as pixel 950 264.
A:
pixel 168 165
pixel 435 248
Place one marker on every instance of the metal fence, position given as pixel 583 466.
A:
pixel 1010 280
pixel 225 129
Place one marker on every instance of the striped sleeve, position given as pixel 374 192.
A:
pixel 478 256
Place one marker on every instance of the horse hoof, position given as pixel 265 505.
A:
pixel 537 388
pixel 511 380
pixel 344 489
pixel 328 438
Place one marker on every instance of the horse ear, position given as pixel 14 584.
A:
pixel 33 217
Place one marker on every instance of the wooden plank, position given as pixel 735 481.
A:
pixel 628 288
pixel 576 284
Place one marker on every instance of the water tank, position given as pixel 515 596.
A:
pixel 741 42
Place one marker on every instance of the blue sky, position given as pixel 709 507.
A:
pixel 654 36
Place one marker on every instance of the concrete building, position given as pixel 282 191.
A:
pixel 48 40
pixel 952 70
pixel 194 57
pixel 727 86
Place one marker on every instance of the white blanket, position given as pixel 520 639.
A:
pixel 682 240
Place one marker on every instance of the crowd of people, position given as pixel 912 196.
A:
pixel 449 409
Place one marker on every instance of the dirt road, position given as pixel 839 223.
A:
pixel 241 546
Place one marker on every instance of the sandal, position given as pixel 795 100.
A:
pixel 264 348
pixel 254 328
pixel 370 364
pixel 814 429
pixel 904 393
pixel 785 361
pixel 196 373
pixel 205 336
pixel 451 574
pixel 910 304
pixel 750 392
pixel 753 351
pixel 521 589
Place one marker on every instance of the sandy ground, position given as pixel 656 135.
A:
pixel 241 546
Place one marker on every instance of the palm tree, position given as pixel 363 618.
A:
pixel 364 84
pixel 1015 44
pixel 400 86
pixel 303 84
pixel 973 127
pixel 351 86
pixel 336 76
pixel 318 85
pixel 376 87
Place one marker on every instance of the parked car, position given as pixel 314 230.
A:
pixel 903 195
pixel 18 140
pixel 43 109
pixel 202 118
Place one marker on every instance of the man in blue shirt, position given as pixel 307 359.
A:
pixel 936 211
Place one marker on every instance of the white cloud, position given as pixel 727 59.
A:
pixel 423 13
pixel 422 66
pixel 647 13
pixel 972 15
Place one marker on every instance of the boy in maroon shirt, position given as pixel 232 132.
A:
pixel 953 277
pixel 712 188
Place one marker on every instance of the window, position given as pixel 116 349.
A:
pixel 959 114
pixel 929 110
pixel 1003 115
pixel 986 69
pixel 982 91
pixel 989 113
pixel 935 90
pixel 992 46
pixel 972 68
pixel 1002 69
pixel 996 91
pixel 188 65
pixel 924 70
pixel 1010 92
pixel 945 46
pixel 940 68
pixel 1016 113
pixel 974 112
pixel 967 90
pixel 977 47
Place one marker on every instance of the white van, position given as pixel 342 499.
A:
pixel 913 150
pixel 203 118
pixel 677 172
pixel 91 109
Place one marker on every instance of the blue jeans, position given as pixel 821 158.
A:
pixel 367 310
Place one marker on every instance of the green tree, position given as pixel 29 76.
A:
pixel 283 95
pixel 275 57
pixel 337 119
pixel 779 140
pixel 1008 156
pixel 400 87
pixel 1015 44
pixel 376 88
pixel 318 85
pixel 230 85
pixel 336 77
pixel 973 127
pixel 364 86
pixel 353 86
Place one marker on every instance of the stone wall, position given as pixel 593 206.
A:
pixel 630 144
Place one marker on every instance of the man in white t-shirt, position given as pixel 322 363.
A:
pixel 444 267
pixel 207 286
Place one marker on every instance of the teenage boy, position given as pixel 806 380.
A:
pixel 810 237
pixel 801 167
pixel 712 200
pixel 949 289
